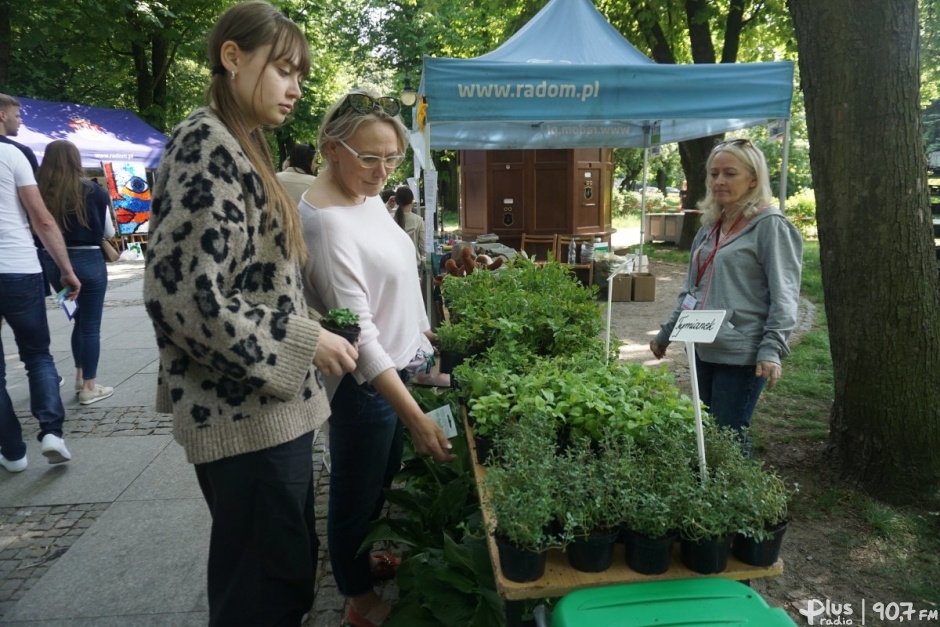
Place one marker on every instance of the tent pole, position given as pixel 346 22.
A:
pixel 784 162
pixel 647 130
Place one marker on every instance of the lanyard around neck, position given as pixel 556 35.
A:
pixel 716 232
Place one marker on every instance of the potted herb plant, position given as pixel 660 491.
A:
pixel 590 480
pixel 763 516
pixel 652 504
pixel 342 321
pixel 520 490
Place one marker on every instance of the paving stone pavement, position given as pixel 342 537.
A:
pixel 119 535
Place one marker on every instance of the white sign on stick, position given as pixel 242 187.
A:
pixel 697 326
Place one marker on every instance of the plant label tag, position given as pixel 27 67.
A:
pixel 445 420
pixel 68 306
pixel 700 326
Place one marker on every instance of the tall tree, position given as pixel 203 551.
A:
pixel 859 68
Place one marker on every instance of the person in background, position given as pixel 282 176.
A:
pixel 300 170
pixel 746 259
pixel 82 213
pixel 10 122
pixel 388 197
pixel 410 222
pixel 360 260
pixel 236 341
pixel 23 308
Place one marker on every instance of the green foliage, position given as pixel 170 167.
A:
pixel 341 317
pixel 521 487
pixel 629 203
pixel 536 309
pixel 801 210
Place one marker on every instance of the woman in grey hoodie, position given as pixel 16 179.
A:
pixel 746 259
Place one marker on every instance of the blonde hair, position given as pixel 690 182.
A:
pixel 341 128
pixel 252 25
pixel 61 184
pixel 753 160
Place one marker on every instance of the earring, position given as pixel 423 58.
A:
pixel 233 75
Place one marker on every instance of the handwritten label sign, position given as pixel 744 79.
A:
pixel 697 326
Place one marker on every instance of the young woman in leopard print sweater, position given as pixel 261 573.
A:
pixel 236 340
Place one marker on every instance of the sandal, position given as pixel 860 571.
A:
pixel 386 566
pixel 377 616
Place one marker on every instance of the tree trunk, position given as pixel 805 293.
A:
pixel 859 63
pixel 693 154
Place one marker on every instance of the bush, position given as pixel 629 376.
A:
pixel 628 203
pixel 801 211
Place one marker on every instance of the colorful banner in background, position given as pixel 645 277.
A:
pixel 130 195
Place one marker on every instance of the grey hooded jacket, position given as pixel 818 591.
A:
pixel 755 277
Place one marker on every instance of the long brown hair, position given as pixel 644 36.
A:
pixel 252 25
pixel 60 182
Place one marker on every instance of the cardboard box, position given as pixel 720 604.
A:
pixel 644 287
pixel 621 288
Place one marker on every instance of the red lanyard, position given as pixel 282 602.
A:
pixel 711 256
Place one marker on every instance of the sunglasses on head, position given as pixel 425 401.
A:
pixel 361 103
pixel 735 142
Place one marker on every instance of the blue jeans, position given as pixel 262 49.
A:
pixel 89 266
pixel 23 307
pixel 731 394
pixel 366 440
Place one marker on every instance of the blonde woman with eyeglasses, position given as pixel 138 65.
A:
pixel 746 259
pixel 358 258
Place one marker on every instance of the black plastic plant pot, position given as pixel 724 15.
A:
pixel 519 564
pixel 646 555
pixel 592 553
pixel 706 556
pixel 350 333
pixel 450 360
pixel 484 447
pixel 759 552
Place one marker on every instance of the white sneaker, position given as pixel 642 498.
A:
pixel 53 449
pixel 87 397
pixel 13 466
pixel 79 386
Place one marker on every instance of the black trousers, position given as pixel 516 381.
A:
pixel 263 547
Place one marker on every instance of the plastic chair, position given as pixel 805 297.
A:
pixel 539 247
pixel 561 245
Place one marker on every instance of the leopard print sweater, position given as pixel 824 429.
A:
pixel 235 337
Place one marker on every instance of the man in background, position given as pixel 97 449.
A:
pixel 10 122
pixel 23 307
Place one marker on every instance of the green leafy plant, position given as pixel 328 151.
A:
pixel 341 317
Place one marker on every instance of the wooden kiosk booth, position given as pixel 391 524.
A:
pixel 537 192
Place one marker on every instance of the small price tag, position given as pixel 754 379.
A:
pixel 445 420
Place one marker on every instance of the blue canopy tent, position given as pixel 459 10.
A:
pixel 568 79
pixel 100 134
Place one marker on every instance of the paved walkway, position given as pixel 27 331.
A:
pixel 119 535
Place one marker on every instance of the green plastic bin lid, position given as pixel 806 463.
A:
pixel 674 603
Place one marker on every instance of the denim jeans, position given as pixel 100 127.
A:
pixel 263 546
pixel 90 268
pixel 366 440
pixel 23 307
pixel 731 394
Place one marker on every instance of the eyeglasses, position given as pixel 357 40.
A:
pixel 361 103
pixel 372 161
